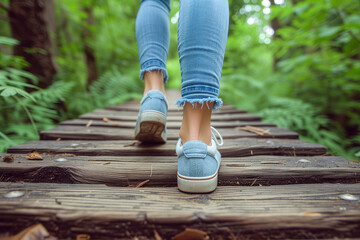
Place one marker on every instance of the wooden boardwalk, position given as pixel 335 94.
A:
pixel 95 179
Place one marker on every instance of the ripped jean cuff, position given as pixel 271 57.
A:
pixel 151 65
pixel 204 101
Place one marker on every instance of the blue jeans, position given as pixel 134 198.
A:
pixel 202 35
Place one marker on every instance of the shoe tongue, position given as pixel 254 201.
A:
pixel 195 149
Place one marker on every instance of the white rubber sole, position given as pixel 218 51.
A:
pixel 151 126
pixel 197 184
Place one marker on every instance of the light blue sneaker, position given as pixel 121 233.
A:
pixel 198 164
pixel 151 122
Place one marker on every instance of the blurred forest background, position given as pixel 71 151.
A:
pixel 296 63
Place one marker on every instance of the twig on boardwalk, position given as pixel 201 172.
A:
pixel 114 123
pixel 252 184
pixel 157 235
pixel 142 183
pixel 256 130
pixel 89 123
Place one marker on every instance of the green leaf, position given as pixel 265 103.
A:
pixel 8 91
pixel 8 41
pixel 6 138
pixel 329 32
pixel 22 73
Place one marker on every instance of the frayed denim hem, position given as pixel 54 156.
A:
pixel 163 72
pixel 204 101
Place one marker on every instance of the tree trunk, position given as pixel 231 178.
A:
pixel 88 37
pixel 31 21
pixel 275 25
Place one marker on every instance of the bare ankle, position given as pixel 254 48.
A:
pixel 154 80
pixel 196 123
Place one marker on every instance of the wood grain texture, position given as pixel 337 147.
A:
pixel 240 147
pixel 270 187
pixel 133 113
pixel 278 208
pixel 169 125
pixel 106 133
pixel 135 108
pixel 125 116
pixel 161 171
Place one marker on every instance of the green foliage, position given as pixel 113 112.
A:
pixel 111 88
pixel 306 120
pixel 305 77
pixel 319 50
pixel 314 89
pixel 113 42
pixel 25 109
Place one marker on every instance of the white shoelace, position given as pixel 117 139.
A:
pixel 213 136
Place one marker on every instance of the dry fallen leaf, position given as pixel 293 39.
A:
pixel 256 130
pixel 142 183
pixel 8 158
pixel 106 119
pixel 58 139
pixel 34 232
pixel 193 234
pixel 34 156
pixel 83 237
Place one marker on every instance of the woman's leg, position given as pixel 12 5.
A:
pixel 153 37
pixel 202 36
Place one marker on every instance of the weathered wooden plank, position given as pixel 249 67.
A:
pixel 135 109
pixel 125 116
pixel 161 171
pixel 133 113
pixel 232 148
pixel 250 209
pixel 169 125
pixel 106 133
